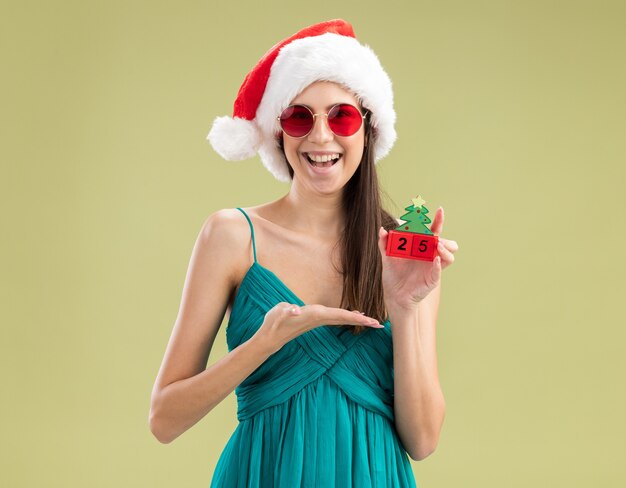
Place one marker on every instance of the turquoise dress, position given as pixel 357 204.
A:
pixel 319 411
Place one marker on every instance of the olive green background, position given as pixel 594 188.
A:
pixel 511 115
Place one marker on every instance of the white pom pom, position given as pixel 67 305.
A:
pixel 234 138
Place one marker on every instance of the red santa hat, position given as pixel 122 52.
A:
pixel 325 51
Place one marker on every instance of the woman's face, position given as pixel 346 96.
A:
pixel 320 97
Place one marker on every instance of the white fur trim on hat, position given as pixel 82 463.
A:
pixel 234 138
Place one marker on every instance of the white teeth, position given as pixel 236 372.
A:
pixel 323 158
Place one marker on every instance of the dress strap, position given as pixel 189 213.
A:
pixel 251 230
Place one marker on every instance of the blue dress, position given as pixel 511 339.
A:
pixel 319 411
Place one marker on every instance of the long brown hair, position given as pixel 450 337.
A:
pixel 364 215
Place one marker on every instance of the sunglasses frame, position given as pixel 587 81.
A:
pixel 326 114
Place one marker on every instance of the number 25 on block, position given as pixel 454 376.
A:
pixel 413 240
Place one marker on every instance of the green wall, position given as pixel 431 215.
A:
pixel 510 116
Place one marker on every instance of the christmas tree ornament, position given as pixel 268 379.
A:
pixel 412 239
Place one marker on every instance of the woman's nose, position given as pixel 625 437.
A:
pixel 320 133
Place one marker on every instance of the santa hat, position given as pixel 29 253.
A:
pixel 325 51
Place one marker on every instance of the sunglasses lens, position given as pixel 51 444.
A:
pixel 344 120
pixel 296 120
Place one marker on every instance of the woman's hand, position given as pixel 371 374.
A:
pixel 406 282
pixel 285 321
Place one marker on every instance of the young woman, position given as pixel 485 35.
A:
pixel 329 392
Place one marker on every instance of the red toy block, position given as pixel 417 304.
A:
pixel 399 244
pixel 412 245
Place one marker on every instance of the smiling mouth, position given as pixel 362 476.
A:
pixel 325 164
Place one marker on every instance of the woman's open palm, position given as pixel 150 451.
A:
pixel 286 321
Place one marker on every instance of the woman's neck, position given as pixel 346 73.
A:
pixel 320 216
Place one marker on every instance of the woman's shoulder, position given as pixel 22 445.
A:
pixel 225 222
pixel 232 221
pixel 227 232
pixel 231 213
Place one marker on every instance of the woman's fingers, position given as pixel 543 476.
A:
pixel 437 224
pixel 323 315
pixel 339 316
pixel 445 253
pixel 449 244
pixel 286 321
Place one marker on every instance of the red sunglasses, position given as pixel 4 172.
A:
pixel 343 119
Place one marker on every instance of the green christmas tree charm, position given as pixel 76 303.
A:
pixel 416 218
pixel 412 239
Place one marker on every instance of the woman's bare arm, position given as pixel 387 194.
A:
pixel 419 404
pixel 184 391
pixel 180 405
